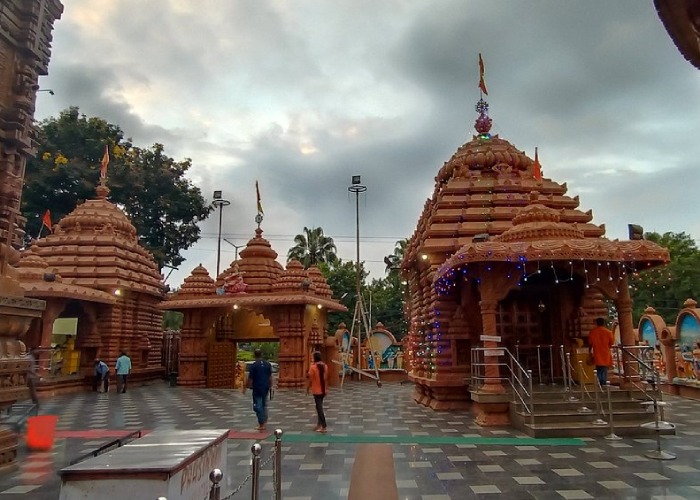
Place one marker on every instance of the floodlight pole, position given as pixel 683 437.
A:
pixel 220 203
pixel 357 188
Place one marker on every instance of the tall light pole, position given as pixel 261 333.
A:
pixel 357 188
pixel 219 202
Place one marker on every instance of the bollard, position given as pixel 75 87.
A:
pixel 551 365
pixel 215 477
pixel 598 405
pixel 278 464
pixel 612 436
pixel 583 408
pixel 539 364
pixel 532 399
pixel 255 450
pixel 563 370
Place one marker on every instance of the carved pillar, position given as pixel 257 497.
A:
pixel 492 384
pixel 43 350
pixel 289 325
pixel 193 354
pixel 623 304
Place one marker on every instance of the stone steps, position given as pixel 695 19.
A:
pixel 555 416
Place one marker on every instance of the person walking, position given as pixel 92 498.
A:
pixel 260 381
pixel 600 340
pixel 101 380
pixel 123 368
pixel 317 384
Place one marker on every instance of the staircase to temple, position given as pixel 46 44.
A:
pixel 554 412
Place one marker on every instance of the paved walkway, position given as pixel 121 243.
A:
pixel 438 456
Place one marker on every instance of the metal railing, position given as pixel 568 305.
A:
pixel 634 365
pixel 536 353
pixel 511 373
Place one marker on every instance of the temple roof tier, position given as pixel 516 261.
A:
pixel 250 300
pixel 39 282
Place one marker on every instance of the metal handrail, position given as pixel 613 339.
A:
pixel 656 378
pixel 517 377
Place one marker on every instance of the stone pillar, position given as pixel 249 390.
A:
pixel 628 336
pixel 193 353
pixel 289 325
pixel 491 370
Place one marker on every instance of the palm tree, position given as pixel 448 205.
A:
pixel 312 248
pixel 393 261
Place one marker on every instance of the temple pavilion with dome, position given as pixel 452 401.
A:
pixel 503 258
pixel 255 299
pixel 93 271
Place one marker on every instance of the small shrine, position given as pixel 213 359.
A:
pixel 673 350
pixel 254 300
pixel 102 291
pixel 503 258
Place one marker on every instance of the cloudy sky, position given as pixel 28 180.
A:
pixel 303 94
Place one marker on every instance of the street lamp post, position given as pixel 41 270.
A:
pixel 219 202
pixel 234 246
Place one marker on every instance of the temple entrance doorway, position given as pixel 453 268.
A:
pixel 237 325
pixel 532 320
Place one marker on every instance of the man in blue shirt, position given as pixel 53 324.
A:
pixel 101 380
pixel 260 380
pixel 123 368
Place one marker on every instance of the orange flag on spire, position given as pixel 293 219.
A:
pixel 105 162
pixel 482 83
pixel 257 192
pixel 537 168
pixel 46 220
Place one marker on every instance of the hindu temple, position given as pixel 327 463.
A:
pixel 503 258
pixel 254 299
pixel 25 50
pixel 102 291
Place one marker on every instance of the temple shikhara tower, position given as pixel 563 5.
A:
pixel 502 257
pixel 25 37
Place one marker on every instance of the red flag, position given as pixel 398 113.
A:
pixel 482 83
pixel 46 220
pixel 105 162
pixel 537 168
pixel 257 192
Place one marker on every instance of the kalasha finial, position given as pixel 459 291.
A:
pixel 483 121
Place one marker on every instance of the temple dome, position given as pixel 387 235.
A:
pixel 293 280
pixel 258 266
pixel 537 222
pixel 198 283
pixel 96 246
pixel 485 155
pixel 320 285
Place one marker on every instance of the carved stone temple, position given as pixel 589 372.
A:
pixel 502 257
pixel 25 38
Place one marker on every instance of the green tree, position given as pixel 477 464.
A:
pixel 341 278
pixel 313 248
pixel 387 303
pixel 172 320
pixel 665 288
pixel 151 188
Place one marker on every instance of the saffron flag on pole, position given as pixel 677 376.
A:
pixel 104 163
pixel 257 192
pixel 482 83
pixel 46 220
pixel 537 168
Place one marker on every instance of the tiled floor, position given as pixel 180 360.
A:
pixel 438 456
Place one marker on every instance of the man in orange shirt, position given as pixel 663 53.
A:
pixel 600 340
pixel 318 381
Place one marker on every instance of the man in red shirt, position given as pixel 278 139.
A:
pixel 600 340
pixel 318 381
